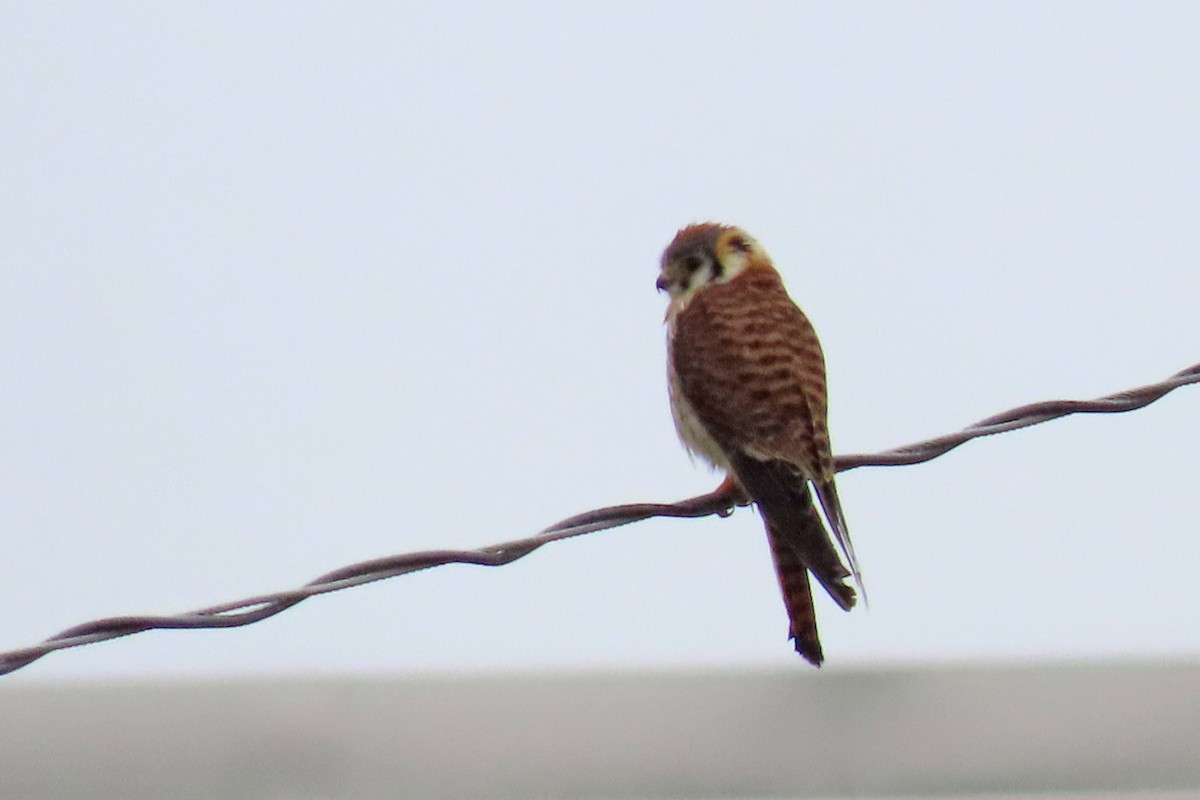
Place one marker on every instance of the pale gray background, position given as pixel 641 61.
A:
pixel 288 286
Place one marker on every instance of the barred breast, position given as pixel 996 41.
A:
pixel 748 375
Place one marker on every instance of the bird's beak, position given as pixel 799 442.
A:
pixel 662 283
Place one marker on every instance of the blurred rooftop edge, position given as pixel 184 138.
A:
pixel 1060 730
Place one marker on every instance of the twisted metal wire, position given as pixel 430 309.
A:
pixel 722 502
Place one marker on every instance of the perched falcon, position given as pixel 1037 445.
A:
pixel 747 386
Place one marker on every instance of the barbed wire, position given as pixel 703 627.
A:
pixel 721 501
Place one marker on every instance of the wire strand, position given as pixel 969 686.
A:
pixel 722 502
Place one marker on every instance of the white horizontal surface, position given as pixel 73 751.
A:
pixel 1129 729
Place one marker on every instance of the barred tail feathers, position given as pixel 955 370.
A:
pixel 797 598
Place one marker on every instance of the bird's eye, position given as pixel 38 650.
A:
pixel 739 243
pixel 692 263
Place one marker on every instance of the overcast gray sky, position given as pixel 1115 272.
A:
pixel 284 287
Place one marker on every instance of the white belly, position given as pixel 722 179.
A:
pixel 687 424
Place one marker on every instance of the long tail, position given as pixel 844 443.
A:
pixel 799 544
pixel 783 499
pixel 797 598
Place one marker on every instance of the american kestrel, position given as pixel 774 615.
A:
pixel 747 384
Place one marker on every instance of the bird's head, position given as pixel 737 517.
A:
pixel 703 254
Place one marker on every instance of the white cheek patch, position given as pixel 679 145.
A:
pixel 731 266
pixel 734 263
pixel 700 277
